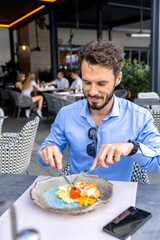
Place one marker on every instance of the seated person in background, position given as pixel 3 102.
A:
pixel 19 84
pixel 60 82
pixel 103 130
pixel 29 86
pixel 77 83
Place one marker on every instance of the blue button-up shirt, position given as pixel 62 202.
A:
pixel 126 121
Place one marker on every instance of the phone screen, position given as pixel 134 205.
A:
pixel 127 222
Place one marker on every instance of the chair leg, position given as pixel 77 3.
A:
pixel 28 171
pixel 14 112
pixel 18 114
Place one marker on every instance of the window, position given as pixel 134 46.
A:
pixel 141 54
pixel 68 57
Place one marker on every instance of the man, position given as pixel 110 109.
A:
pixel 103 130
pixel 61 82
pixel 77 83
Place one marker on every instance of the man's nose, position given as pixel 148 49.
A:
pixel 93 90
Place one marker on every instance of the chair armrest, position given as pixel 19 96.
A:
pixel 8 138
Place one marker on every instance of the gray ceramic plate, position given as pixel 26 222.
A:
pixel 42 187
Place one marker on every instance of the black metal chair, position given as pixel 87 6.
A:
pixel 122 93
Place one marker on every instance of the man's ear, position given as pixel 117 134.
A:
pixel 119 78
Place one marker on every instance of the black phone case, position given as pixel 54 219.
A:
pixel 134 230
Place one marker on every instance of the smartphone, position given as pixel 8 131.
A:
pixel 127 222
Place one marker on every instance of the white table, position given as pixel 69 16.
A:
pixel 82 227
pixel 12 187
pixel 69 95
pixel 48 88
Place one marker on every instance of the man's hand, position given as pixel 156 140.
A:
pixel 111 153
pixel 49 154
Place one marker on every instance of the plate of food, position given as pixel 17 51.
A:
pixel 85 195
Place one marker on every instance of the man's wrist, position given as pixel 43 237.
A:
pixel 135 147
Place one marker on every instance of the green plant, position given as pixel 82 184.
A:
pixel 136 77
pixel 45 75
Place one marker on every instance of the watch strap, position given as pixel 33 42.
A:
pixel 135 147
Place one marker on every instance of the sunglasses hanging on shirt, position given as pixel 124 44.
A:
pixel 92 147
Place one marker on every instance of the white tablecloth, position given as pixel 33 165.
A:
pixel 69 95
pixel 59 227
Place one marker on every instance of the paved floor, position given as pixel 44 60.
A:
pixel 15 125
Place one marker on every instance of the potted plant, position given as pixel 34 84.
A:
pixel 136 78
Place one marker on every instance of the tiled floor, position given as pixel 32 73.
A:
pixel 14 125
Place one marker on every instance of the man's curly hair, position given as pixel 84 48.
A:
pixel 104 53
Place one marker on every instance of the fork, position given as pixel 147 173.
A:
pixel 83 172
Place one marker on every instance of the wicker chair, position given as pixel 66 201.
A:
pixel 16 148
pixel 20 101
pixel 54 103
pixel 65 102
pixel 121 93
pixel 156 115
pixel 144 95
pixel 138 174
pixel 4 96
pixel 1 120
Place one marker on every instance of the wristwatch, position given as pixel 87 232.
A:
pixel 135 148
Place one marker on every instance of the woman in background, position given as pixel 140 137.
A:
pixel 29 86
pixel 19 84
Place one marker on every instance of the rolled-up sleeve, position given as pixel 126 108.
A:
pixel 148 154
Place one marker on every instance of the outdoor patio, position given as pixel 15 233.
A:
pixel 14 125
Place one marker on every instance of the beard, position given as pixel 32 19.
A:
pixel 107 100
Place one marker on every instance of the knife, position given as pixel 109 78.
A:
pixel 64 176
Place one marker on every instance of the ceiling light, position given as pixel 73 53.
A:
pixel 47 0
pixel 139 34
pixel 23 51
pixel 21 18
pixel 24 47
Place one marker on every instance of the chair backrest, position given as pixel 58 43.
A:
pixel 139 175
pixel 1 120
pixel 121 93
pixel 148 95
pixel 19 99
pixel 65 102
pixel 4 95
pixel 16 148
pixel 55 103
pixel 156 115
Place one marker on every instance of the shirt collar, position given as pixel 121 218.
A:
pixel 114 112
pixel 86 113
pixel 115 109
